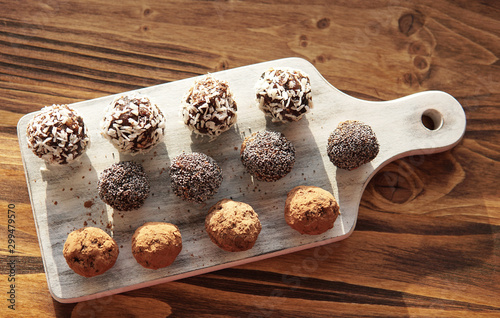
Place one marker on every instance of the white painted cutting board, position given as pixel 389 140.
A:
pixel 65 198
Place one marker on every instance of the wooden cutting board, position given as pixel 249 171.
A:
pixel 65 198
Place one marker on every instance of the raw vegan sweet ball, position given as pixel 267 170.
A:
pixel 90 251
pixel 310 210
pixel 195 177
pixel 352 144
pixel 57 134
pixel 267 155
pixel 156 244
pixel 133 124
pixel 233 226
pixel 124 186
pixel 209 108
pixel 284 94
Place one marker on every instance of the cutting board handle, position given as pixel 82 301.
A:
pixel 401 123
pixel 431 122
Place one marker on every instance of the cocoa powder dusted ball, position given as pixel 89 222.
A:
pixel 352 144
pixel 133 124
pixel 209 108
pixel 156 244
pixel 267 155
pixel 195 177
pixel 233 226
pixel 284 94
pixel 124 186
pixel 57 134
pixel 310 210
pixel 90 251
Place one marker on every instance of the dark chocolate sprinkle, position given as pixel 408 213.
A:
pixel 352 144
pixel 124 186
pixel 195 177
pixel 268 155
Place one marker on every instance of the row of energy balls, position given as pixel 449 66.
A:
pixel 135 125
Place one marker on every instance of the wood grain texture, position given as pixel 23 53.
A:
pixel 426 241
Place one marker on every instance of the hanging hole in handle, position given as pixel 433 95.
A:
pixel 432 119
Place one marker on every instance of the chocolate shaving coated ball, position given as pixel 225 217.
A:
pixel 133 124
pixel 209 108
pixel 124 186
pixel 57 134
pixel 284 94
pixel 195 177
pixel 267 155
pixel 352 144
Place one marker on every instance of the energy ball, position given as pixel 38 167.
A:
pixel 57 134
pixel 233 226
pixel 124 186
pixel 267 155
pixel 133 124
pixel 284 94
pixel 195 177
pixel 352 144
pixel 156 244
pixel 209 108
pixel 90 251
pixel 310 210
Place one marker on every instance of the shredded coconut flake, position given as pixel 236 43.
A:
pixel 209 108
pixel 57 134
pixel 284 94
pixel 133 125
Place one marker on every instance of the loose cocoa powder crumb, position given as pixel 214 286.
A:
pixel 88 204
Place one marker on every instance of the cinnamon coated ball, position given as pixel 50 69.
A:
pixel 233 226
pixel 310 210
pixel 156 244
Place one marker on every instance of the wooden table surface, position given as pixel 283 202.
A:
pixel 427 239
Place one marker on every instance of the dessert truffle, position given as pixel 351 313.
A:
pixel 57 134
pixel 352 144
pixel 310 210
pixel 156 244
pixel 195 176
pixel 284 94
pixel 209 108
pixel 233 226
pixel 267 155
pixel 90 251
pixel 124 186
pixel 133 124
